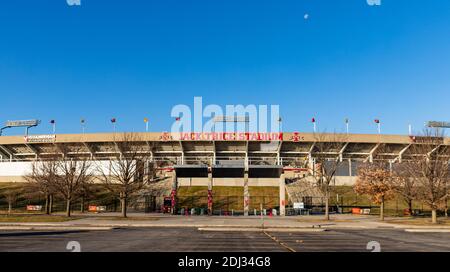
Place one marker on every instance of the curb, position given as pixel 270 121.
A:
pixel 263 230
pixel 428 230
pixel 55 228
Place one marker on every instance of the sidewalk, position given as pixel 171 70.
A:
pixel 109 221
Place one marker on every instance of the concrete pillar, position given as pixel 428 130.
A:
pixel 350 167
pixel 282 195
pixel 174 192
pixel 210 196
pixel 246 193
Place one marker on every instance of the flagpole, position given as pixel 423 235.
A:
pixel 347 125
pixel 146 124
pixel 82 121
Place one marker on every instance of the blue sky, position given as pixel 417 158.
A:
pixel 134 59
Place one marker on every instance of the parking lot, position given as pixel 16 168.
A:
pixel 194 240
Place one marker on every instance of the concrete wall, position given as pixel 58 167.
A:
pixel 228 182
pixel 347 181
pixel 269 182
pixel 14 172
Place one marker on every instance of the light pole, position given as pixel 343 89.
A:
pixel 21 123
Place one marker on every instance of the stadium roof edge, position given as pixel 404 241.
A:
pixel 165 137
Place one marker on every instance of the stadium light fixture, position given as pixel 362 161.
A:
pixel 27 124
pixel 438 124
pixel 232 119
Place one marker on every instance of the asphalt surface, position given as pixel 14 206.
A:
pixel 193 240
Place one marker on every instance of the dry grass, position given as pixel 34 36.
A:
pixel 133 218
pixel 35 218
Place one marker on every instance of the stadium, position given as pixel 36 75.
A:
pixel 224 173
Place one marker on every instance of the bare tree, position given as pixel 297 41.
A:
pixel 326 154
pixel 72 175
pixel 11 194
pixel 429 167
pixel 404 185
pixel 41 180
pixel 129 171
pixel 375 180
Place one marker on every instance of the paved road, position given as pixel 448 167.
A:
pixel 191 239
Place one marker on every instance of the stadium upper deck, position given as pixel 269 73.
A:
pixel 210 148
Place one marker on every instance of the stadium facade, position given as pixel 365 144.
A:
pixel 215 159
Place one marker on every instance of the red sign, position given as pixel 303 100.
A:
pixel 34 208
